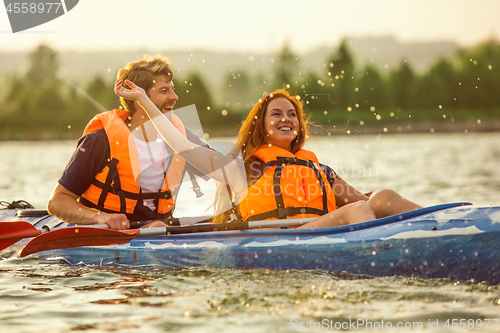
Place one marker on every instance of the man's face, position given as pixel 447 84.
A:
pixel 162 93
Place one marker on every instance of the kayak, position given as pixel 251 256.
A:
pixel 455 241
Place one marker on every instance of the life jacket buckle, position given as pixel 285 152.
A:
pixel 287 160
pixel 283 213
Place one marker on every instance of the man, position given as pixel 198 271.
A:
pixel 102 183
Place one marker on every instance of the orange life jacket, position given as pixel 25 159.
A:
pixel 292 186
pixel 115 189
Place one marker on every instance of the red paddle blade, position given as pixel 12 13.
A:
pixel 6 243
pixel 76 237
pixel 12 232
pixel 17 230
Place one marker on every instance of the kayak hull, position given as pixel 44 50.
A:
pixel 436 242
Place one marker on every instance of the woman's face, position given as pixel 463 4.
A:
pixel 281 123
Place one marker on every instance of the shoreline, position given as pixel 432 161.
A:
pixel 471 126
pixel 490 125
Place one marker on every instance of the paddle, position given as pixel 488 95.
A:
pixel 84 236
pixel 12 232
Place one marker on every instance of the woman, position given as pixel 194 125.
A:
pixel 286 181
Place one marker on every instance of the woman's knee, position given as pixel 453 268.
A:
pixel 383 196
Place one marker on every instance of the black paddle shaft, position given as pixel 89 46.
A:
pixel 209 227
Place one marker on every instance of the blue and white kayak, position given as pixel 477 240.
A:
pixel 453 241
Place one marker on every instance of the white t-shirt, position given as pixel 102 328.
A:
pixel 152 157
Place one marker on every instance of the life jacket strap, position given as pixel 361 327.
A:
pixel 284 161
pixel 281 212
pixel 112 185
pixel 106 186
pixel 132 217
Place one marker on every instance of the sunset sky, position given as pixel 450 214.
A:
pixel 257 25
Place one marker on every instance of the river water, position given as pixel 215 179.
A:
pixel 51 296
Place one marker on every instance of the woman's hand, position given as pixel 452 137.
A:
pixel 135 93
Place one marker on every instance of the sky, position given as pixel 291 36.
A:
pixel 254 25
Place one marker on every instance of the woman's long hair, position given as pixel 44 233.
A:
pixel 252 135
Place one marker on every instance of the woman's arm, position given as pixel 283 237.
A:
pixel 204 159
pixel 345 193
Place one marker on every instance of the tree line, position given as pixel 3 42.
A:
pixel 37 104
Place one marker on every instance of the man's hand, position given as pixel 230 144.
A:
pixel 115 221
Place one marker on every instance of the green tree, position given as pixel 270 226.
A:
pixel 100 95
pixel 286 68
pixel 237 90
pixel 316 93
pixel 43 65
pixel 439 86
pixel 340 73
pixel 371 89
pixel 403 86
pixel 193 90
pixel 479 79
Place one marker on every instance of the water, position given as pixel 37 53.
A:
pixel 51 296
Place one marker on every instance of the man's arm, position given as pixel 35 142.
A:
pixel 91 155
pixel 63 204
